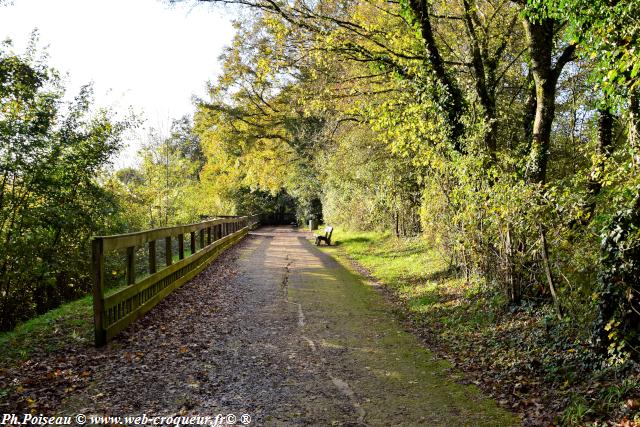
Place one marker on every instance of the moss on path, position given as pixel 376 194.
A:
pixel 381 369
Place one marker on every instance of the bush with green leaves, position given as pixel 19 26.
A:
pixel 52 153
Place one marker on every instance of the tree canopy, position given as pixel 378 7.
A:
pixel 504 130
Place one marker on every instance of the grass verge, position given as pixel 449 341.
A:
pixel 529 361
pixel 55 330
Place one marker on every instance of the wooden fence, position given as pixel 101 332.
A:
pixel 115 311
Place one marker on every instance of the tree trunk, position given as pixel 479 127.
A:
pixel 547 271
pixel 529 113
pixel 484 78
pixel 605 139
pixel 634 127
pixel 452 102
pixel 540 39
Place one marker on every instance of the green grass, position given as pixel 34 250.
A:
pixel 419 275
pixel 389 259
pixel 55 330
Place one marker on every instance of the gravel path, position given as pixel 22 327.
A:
pixel 280 330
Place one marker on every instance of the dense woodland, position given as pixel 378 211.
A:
pixel 505 133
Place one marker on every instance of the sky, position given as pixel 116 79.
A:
pixel 142 54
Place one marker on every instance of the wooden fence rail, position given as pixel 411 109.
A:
pixel 115 311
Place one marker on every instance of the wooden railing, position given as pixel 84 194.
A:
pixel 114 312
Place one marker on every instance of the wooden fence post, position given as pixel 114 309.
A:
pixel 181 246
pixel 97 261
pixel 193 242
pixel 153 268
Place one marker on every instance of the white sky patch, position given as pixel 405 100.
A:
pixel 138 53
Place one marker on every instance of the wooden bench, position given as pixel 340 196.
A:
pixel 328 231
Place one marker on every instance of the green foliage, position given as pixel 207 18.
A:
pixel 616 327
pixel 165 188
pixel 257 136
pixel 577 411
pixel 608 38
pixel 365 187
pixel 51 203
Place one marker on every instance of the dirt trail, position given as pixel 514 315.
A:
pixel 287 335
